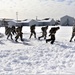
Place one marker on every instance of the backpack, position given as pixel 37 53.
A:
pixel 53 30
pixel 32 27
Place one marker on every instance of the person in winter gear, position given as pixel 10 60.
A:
pixel 52 34
pixel 8 32
pixel 19 33
pixel 32 30
pixel 44 32
pixel 73 33
pixel 13 30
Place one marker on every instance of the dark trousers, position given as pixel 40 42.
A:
pixel 33 33
pixel 44 34
pixel 19 35
pixel 73 34
pixel 9 35
pixel 13 32
pixel 52 39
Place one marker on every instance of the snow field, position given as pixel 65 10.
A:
pixel 38 57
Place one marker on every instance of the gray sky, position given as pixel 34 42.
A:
pixel 32 8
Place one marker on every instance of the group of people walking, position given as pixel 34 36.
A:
pixel 10 31
pixel 44 33
pixel 52 33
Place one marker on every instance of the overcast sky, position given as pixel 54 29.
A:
pixel 32 8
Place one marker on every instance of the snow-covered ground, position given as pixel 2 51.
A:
pixel 38 57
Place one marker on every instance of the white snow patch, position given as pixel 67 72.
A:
pixel 38 57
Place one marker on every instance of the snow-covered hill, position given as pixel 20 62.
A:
pixel 38 57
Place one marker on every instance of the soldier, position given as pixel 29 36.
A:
pixel 44 32
pixel 52 34
pixel 6 28
pixel 32 30
pixel 73 33
pixel 19 33
pixel 8 32
pixel 13 30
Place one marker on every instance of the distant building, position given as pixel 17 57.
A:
pixel 52 22
pixel 14 23
pixel 4 22
pixel 40 23
pixel 57 22
pixel 32 22
pixel 29 22
pixel 46 22
pixel 49 22
pixel 67 21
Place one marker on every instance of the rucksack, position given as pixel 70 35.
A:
pixel 53 30
pixel 32 27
